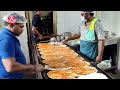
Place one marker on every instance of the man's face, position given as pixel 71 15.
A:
pixel 17 29
pixel 85 15
pixel 40 13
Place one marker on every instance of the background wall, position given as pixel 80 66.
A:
pixel 110 21
pixel 68 21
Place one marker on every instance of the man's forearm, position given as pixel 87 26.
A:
pixel 101 44
pixel 47 37
pixel 18 67
pixel 35 31
pixel 76 36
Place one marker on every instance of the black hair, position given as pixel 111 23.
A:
pixel 91 14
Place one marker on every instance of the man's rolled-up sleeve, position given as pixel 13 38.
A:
pixel 99 31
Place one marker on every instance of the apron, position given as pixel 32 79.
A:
pixel 89 49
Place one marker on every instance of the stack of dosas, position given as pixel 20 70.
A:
pixel 64 62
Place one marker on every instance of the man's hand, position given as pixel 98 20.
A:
pixel 39 68
pixel 64 41
pixel 40 37
pixel 98 58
